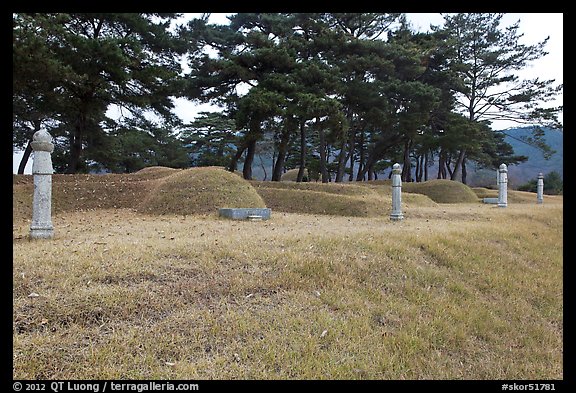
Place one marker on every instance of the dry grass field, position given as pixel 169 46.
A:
pixel 141 286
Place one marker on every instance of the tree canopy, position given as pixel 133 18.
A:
pixel 343 94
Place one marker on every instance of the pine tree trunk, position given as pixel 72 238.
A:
pixel 458 164
pixel 263 167
pixel 28 150
pixel 361 171
pixel 234 161
pixel 76 140
pixel 75 149
pixel 441 166
pixel 341 162
pixel 282 149
pixel 274 163
pixel 406 168
pixel 351 154
pixel 426 166
pixel 322 149
pixel 302 152
pixel 371 171
pixel 450 171
pixel 25 157
pixel 247 170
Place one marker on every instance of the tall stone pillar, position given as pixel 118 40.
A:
pixel 41 227
pixel 540 189
pixel 396 193
pixel 503 186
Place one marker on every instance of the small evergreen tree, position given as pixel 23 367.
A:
pixel 553 184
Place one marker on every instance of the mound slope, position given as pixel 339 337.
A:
pixel 315 202
pixel 200 190
pixel 292 175
pixel 330 188
pixel 443 191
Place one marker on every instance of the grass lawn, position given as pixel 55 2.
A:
pixel 454 291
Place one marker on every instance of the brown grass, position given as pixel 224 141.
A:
pixel 514 196
pixel 454 291
pixel 155 190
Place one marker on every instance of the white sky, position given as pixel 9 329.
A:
pixel 535 27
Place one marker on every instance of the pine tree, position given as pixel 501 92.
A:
pixel 94 60
pixel 487 58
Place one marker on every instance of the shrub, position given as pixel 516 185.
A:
pixel 553 184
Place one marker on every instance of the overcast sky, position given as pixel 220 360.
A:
pixel 535 27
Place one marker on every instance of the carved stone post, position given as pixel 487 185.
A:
pixel 396 193
pixel 540 189
pixel 41 227
pixel 503 186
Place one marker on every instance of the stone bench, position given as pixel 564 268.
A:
pixel 493 201
pixel 237 213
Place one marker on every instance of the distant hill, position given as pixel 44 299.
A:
pixel 522 173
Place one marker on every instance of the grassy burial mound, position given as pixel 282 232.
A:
pixel 323 198
pixel 200 190
pixel 384 188
pixel 350 189
pixel 483 192
pixel 314 202
pixel 360 199
pixel 292 175
pixel 442 191
pixel 154 172
pixel 156 190
pixel 82 192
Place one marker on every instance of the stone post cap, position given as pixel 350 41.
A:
pixel 503 168
pixel 396 169
pixel 42 141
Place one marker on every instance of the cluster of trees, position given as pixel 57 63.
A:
pixel 553 184
pixel 342 94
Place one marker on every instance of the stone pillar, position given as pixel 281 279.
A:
pixel 41 227
pixel 396 193
pixel 540 189
pixel 503 186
